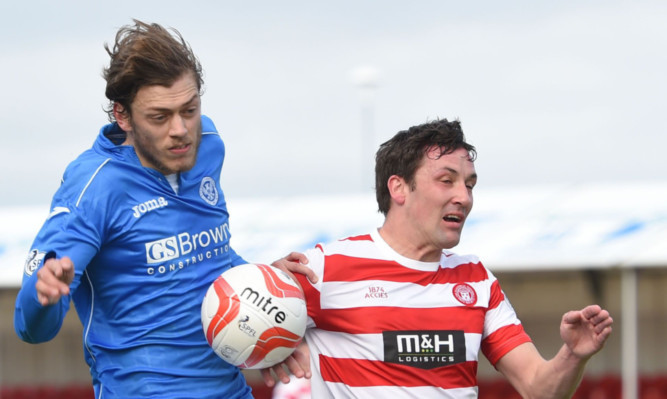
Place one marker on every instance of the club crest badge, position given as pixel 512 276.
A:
pixel 465 294
pixel 33 261
pixel 208 192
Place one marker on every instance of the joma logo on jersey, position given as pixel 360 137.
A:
pixel 424 349
pixel 184 243
pixel 148 206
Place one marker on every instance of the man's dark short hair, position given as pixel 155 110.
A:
pixel 402 154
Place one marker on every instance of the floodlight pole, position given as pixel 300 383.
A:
pixel 367 144
pixel 366 81
pixel 629 333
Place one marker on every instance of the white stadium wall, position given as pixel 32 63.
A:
pixel 553 248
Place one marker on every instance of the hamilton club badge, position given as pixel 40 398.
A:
pixel 207 191
pixel 465 294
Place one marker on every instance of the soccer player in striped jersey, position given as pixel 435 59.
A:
pixel 396 314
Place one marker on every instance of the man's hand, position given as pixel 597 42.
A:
pixel 296 262
pixel 53 280
pixel 298 364
pixel 585 331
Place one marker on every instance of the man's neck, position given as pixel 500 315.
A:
pixel 407 247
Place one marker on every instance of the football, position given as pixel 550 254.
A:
pixel 254 316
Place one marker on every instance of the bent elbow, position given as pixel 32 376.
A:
pixel 33 334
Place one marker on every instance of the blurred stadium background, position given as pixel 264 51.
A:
pixel 553 248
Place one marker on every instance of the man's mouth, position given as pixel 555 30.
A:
pixel 452 217
pixel 179 149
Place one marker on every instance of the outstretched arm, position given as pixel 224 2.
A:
pixel 584 333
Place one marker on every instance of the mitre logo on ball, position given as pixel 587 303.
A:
pixel 254 316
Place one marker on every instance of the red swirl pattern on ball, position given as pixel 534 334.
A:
pixel 278 287
pixel 228 308
pixel 271 339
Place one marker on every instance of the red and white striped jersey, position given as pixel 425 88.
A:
pixel 384 326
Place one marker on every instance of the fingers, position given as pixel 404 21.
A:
pixel 590 311
pixel 68 270
pixel 267 377
pixel 593 313
pixel 298 365
pixel 47 295
pixel 604 333
pixel 572 317
pixel 49 289
pixel 305 270
pixel 297 257
pixel 300 260
pixel 53 280
pixel 281 374
pixel 295 262
pixel 302 360
pixel 294 367
pixel 603 326
pixel 598 317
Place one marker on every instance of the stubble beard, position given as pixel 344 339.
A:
pixel 147 150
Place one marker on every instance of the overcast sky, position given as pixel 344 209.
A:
pixel 549 92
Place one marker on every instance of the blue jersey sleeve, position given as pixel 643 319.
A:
pixel 68 231
pixel 33 322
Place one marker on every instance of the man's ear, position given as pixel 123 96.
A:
pixel 398 189
pixel 122 117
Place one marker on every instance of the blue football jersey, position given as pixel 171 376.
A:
pixel 144 257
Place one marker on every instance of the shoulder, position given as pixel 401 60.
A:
pixel 343 256
pixel 327 253
pixel 208 130
pixel 207 126
pixel 211 141
pixel 89 166
pixel 346 245
pixel 453 259
pixel 467 266
pixel 97 178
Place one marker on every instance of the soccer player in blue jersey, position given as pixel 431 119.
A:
pixel 137 232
